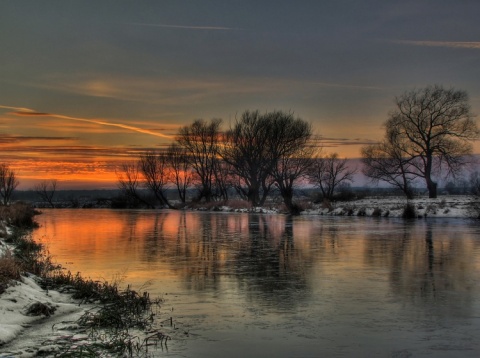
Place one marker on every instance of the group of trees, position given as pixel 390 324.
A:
pixel 259 153
pixel 428 134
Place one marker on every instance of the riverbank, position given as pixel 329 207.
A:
pixel 47 311
pixel 454 206
pixel 445 206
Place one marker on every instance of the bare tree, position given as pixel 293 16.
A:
pixel 328 172
pixel 46 190
pixel 129 182
pixel 155 170
pixel 201 140
pixel 384 161
pixel 433 128
pixel 223 180
pixel 246 151
pixel 289 152
pixel 261 149
pixel 181 171
pixel 288 170
pixel 8 183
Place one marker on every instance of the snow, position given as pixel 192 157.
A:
pixel 442 207
pixel 34 331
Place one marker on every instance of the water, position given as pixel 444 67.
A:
pixel 253 285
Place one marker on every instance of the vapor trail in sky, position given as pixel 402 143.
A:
pixel 32 113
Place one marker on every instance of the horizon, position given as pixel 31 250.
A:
pixel 86 86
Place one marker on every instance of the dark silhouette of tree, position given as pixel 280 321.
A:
pixel 8 183
pixel 156 172
pixel 223 181
pixel 432 128
pixel 246 150
pixel 384 161
pixel 46 190
pixel 129 182
pixel 328 172
pixel 261 149
pixel 289 152
pixel 201 140
pixel 181 171
pixel 288 170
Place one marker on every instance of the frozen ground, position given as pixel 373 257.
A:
pixel 444 206
pixel 23 335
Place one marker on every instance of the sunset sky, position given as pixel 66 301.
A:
pixel 86 85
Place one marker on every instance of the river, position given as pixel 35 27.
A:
pixel 257 285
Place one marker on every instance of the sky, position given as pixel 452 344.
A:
pixel 87 85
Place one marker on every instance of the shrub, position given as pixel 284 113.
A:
pixel 362 212
pixel 19 215
pixel 409 211
pixel 326 204
pixel 238 204
pixel 377 212
pixel 10 269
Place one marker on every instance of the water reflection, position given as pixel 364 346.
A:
pixel 319 277
pixel 430 263
pixel 259 251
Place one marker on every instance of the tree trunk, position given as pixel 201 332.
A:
pixel 253 195
pixel 431 185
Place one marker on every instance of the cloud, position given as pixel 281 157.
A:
pixel 330 142
pixel 186 27
pixel 32 113
pixel 449 44
pixel 346 86
pixel 9 139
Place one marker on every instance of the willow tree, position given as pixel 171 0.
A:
pixel 290 152
pixel 433 128
pixel 246 151
pixel 263 149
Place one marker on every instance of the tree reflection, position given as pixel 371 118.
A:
pixel 435 273
pixel 207 250
pixel 268 266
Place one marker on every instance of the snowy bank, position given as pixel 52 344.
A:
pixel 442 207
pixel 32 319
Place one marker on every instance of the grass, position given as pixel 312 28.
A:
pixel 9 270
pixel 121 322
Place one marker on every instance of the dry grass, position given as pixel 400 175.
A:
pixel 10 269
pixel 20 215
